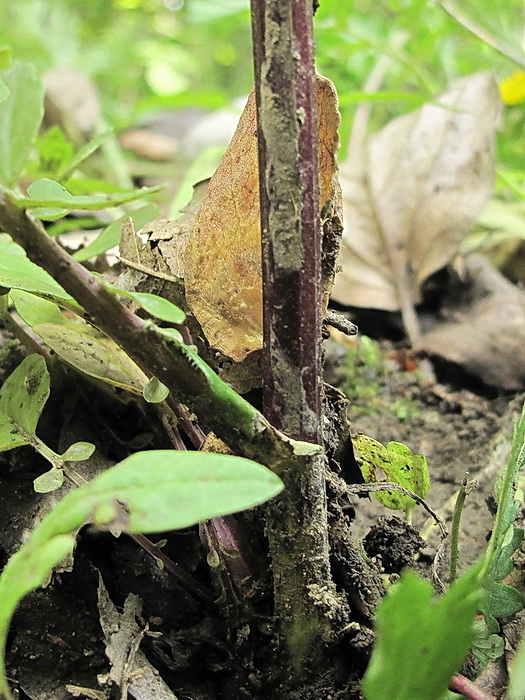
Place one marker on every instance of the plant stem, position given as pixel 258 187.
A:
pixel 468 689
pixel 188 378
pixel 286 94
pixel 454 538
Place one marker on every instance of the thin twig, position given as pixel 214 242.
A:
pixel 468 689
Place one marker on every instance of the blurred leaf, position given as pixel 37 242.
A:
pixel 6 54
pixel 51 195
pixel 4 91
pixel 421 641
pixel 412 194
pixel 110 236
pixel 87 149
pixel 54 151
pixel 499 24
pixel 201 11
pixel 21 113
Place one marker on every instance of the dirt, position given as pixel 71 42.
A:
pixel 57 648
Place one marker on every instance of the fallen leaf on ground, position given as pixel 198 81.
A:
pixel 412 193
pixel 486 333
pixel 222 264
pixel 130 669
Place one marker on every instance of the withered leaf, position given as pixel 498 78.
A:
pixel 485 328
pixel 223 257
pixel 413 192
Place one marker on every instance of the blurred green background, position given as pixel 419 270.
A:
pixel 150 55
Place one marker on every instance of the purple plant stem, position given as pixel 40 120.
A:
pixel 306 605
pixel 469 689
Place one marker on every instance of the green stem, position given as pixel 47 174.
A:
pixel 454 539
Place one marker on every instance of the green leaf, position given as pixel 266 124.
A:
pixel 54 151
pixel 94 354
pixel 397 463
pixel 153 304
pixel 52 196
pixel 34 310
pixel 22 398
pixel 110 236
pixel 78 452
pixel 160 490
pixel 517 674
pixel 421 641
pixel 49 481
pixel 505 600
pixel 21 113
pixel 6 54
pixel 87 149
pixel 18 272
pixel 4 91
pixel 155 391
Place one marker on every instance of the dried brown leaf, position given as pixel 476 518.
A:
pixel 223 256
pixel 486 330
pixel 413 192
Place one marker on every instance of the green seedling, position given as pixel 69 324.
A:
pixel 22 398
pixel 421 641
pixel 396 463
pixel 501 599
pixel 148 492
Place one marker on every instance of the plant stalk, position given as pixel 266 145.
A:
pixel 306 604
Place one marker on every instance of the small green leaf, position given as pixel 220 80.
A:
pixel 396 463
pixel 54 151
pixel 78 452
pixel 21 113
pixel 153 304
pixel 87 149
pixel 155 391
pixel 505 600
pixel 48 194
pixel 22 398
pixel 50 481
pixel 94 354
pixel 421 641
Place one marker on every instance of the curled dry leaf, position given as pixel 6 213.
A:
pixel 412 193
pixel 222 263
pixel 485 330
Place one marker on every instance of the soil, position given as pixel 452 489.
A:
pixel 58 646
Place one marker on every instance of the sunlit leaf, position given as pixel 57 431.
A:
pixel 396 463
